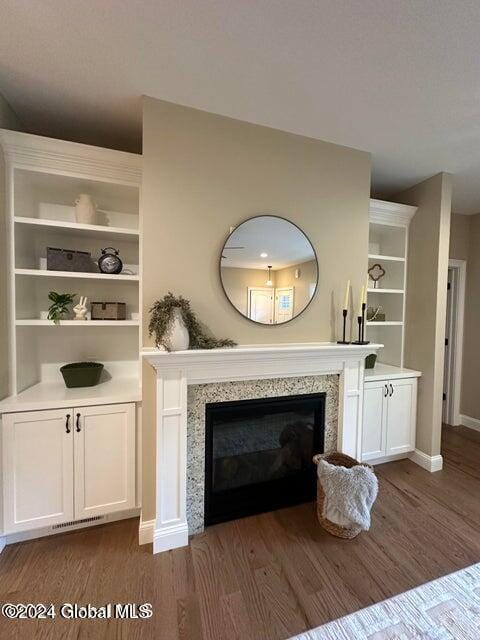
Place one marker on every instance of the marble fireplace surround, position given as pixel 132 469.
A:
pixel 178 370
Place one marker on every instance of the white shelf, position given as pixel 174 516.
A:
pixel 77 323
pixel 372 256
pixel 48 395
pixel 386 291
pixel 386 323
pixel 76 274
pixel 77 227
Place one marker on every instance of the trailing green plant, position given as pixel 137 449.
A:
pixel 59 306
pixel 161 314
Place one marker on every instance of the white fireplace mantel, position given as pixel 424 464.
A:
pixel 176 370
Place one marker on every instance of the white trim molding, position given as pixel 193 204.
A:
pixel 392 213
pixel 28 151
pixel 430 463
pixel 22 536
pixel 175 371
pixel 146 529
pixel 469 422
pixel 171 537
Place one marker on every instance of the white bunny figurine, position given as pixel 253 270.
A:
pixel 81 309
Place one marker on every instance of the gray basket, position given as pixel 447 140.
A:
pixel 69 260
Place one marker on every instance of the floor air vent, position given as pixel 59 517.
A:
pixel 73 523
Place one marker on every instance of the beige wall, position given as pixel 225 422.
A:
pixel 465 245
pixel 459 237
pixel 204 173
pixel 470 396
pixel 8 120
pixel 429 240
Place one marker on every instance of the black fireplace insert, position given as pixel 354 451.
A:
pixel 258 454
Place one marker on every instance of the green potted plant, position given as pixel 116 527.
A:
pixel 60 305
pixel 177 328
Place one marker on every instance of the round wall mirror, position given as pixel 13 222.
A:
pixel 269 270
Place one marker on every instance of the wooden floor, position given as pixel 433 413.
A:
pixel 269 576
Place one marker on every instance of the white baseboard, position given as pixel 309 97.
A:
pixel 146 531
pixel 471 423
pixel 170 537
pixel 384 459
pixel 3 542
pixel 430 463
pixel 21 536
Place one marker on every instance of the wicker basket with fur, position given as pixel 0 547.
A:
pixel 339 460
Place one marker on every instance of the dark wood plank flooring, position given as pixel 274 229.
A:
pixel 265 577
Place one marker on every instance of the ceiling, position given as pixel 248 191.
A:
pixel 283 242
pixel 399 78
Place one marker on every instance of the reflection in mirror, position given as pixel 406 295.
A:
pixel 269 269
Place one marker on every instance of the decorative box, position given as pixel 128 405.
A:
pixel 109 311
pixel 69 260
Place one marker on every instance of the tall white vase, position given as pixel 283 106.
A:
pixel 177 338
pixel 85 209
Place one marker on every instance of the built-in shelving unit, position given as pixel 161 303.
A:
pixel 388 246
pixel 44 177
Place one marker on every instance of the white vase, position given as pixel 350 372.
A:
pixel 177 338
pixel 85 209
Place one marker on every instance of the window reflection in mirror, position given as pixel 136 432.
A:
pixel 269 270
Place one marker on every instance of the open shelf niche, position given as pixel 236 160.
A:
pixel 388 246
pixel 44 178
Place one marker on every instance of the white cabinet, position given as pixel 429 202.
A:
pixel 374 420
pixel 401 416
pixel 38 469
pixel 104 459
pixel 389 418
pixel 67 464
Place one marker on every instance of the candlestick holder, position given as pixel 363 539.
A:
pixel 344 341
pixel 361 328
pixel 364 306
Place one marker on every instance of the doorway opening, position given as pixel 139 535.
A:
pixel 452 379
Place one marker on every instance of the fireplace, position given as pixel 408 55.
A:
pixel 258 454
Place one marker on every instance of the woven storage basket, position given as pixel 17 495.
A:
pixel 339 460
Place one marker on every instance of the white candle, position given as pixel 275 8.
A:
pixel 347 295
pixel 365 292
pixel 360 301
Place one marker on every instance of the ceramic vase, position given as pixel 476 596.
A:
pixel 177 338
pixel 85 209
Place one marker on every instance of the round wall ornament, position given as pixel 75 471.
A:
pixel 376 273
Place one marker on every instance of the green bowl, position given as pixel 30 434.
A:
pixel 370 361
pixel 81 374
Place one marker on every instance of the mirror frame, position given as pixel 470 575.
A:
pixel 261 324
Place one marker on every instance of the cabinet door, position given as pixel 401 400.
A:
pixel 401 416
pixel 38 468
pixel 374 420
pixel 104 459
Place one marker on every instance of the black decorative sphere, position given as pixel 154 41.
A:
pixel 109 262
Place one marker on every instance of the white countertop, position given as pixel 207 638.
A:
pixel 389 372
pixel 49 395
